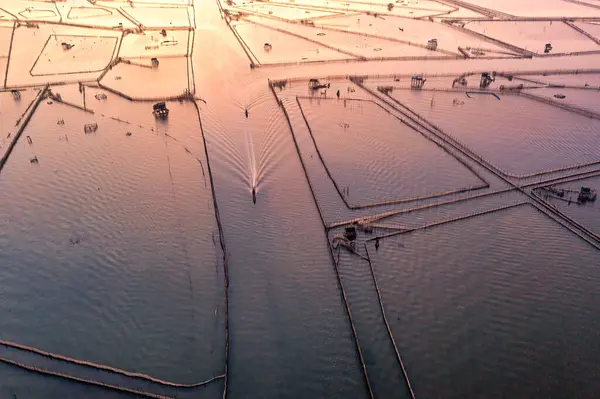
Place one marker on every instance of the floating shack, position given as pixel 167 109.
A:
pixel 586 194
pixel 350 233
pixel 90 128
pixel 160 110
pixel 486 80
pixel 417 81
pixel 314 84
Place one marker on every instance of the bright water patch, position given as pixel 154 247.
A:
pixel 507 312
pixel 410 30
pixel 154 44
pixel 59 65
pixel 353 44
pixel 160 16
pixel 531 8
pixel 401 9
pixel 581 80
pixel 291 13
pixel 283 48
pixel 169 79
pixel 88 53
pixel 586 99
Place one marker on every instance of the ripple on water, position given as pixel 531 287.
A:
pixel 107 248
pixel 507 312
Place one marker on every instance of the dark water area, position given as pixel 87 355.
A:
pixel 507 301
pixel 210 244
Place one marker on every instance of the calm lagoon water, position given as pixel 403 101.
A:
pixel 110 252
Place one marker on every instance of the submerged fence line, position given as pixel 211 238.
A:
pixel 518 50
pixel 485 184
pixel 347 305
pixel 335 266
pixel 385 215
pixel 583 32
pixel 223 250
pixel 387 325
pixel 466 149
pixel 180 97
pixel 12 36
pixel 357 56
pixel 437 132
pixel 82 380
pixel 13 143
pixel 102 367
pixel 562 215
pixel 451 220
pixel 558 217
pixel 390 39
pixel 567 107
pixel 533 185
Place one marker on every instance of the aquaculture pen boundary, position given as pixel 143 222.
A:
pixel 254 62
pixel 474 154
pixel 484 184
pixel 84 7
pixel 12 36
pixel 348 9
pixel 223 250
pixel 103 367
pixel 387 325
pixel 24 123
pixel 518 50
pixel 348 53
pixel 483 164
pixel 583 32
pixel 82 380
pixel 337 273
pixel 355 57
pixel 116 46
pixel 594 244
pixel 577 110
pixel 478 9
pixel 533 185
pixel 581 226
pixel 450 54
pixel 327 27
